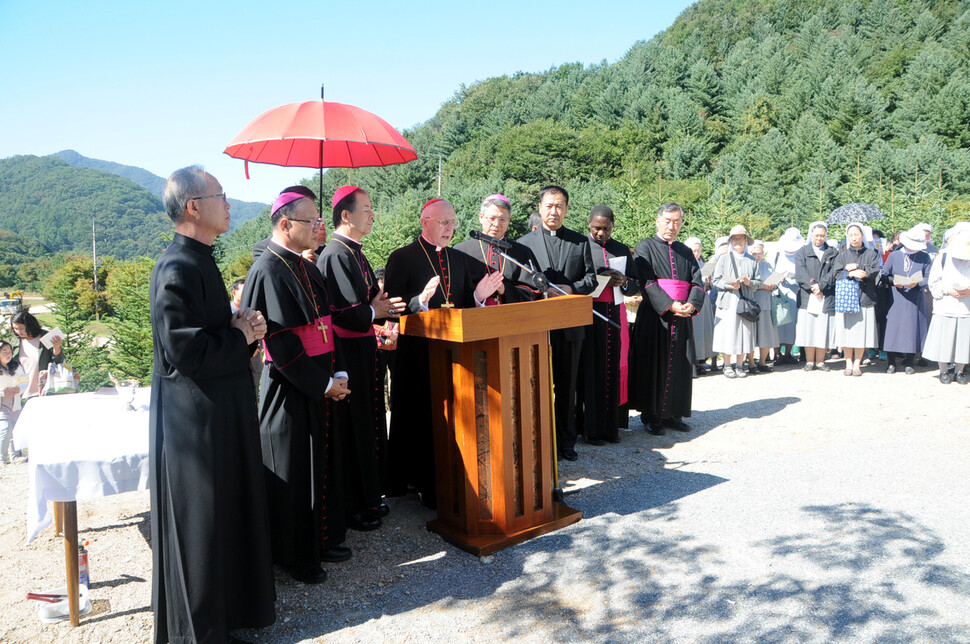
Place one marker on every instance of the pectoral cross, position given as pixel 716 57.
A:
pixel 447 305
pixel 323 329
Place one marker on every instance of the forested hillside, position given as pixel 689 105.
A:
pixel 51 205
pixel 767 112
pixel 242 211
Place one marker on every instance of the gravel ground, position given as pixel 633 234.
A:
pixel 802 507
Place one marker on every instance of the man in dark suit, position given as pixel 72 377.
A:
pixel 564 256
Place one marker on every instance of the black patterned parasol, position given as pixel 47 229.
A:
pixel 861 212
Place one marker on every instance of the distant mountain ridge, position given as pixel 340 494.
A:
pixel 242 211
pixel 53 205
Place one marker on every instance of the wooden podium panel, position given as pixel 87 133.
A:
pixel 493 419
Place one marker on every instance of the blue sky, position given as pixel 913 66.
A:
pixel 163 85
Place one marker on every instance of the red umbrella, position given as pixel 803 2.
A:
pixel 319 134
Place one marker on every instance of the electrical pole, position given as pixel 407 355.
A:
pixel 94 253
pixel 439 176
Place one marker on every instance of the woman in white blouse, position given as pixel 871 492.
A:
pixel 948 338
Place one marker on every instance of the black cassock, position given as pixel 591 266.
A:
pixel 410 458
pixel 485 259
pixel 360 416
pixel 600 390
pixel 661 360
pixel 212 570
pixel 565 259
pixel 300 454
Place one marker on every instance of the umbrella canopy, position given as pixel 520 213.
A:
pixel 320 134
pixel 860 212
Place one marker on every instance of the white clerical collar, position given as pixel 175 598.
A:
pixel 436 247
pixel 664 240
pixel 350 239
pixel 288 250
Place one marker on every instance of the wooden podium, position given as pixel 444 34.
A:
pixel 493 419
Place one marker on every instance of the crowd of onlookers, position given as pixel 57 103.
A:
pixel 867 298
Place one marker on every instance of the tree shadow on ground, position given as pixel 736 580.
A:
pixel 866 574
pixel 702 422
pixel 857 573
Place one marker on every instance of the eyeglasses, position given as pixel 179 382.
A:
pixel 446 223
pixel 496 220
pixel 314 223
pixel 221 195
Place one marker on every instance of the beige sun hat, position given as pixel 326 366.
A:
pixel 741 230
pixel 913 239
pixel 959 245
pixel 792 240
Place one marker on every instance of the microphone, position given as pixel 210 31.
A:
pixel 539 280
pixel 488 239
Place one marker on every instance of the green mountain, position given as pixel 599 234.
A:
pixel 53 204
pixel 767 112
pixel 151 182
pixel 242 211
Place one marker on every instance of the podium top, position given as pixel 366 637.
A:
pixel 487 322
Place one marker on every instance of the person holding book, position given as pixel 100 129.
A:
pixel 814 327
pixel 857 266
pixel 704 321
pixel 735 276
pixel 766 333
pixel 948 337
pixel 32 354
pixel 906 273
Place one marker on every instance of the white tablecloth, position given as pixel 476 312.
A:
pixel 82 446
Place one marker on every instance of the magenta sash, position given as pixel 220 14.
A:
pixel 347 333
pixel 624 355
pixel 677 289
pixel 605 296
pixel 316 341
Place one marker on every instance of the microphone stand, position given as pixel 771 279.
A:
pixel 541 281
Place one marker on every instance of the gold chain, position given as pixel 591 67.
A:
pixel 447 293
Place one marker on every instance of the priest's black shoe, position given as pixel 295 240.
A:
pixel 363 523
pixel 595 441
pixel 312 574
pixel 676 424
pixel 381 510
pixel 570 454
pixel 336 554
pixel 655 429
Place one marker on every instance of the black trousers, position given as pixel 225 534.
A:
pixel 565 376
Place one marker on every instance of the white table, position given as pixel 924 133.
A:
pixel 82 446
